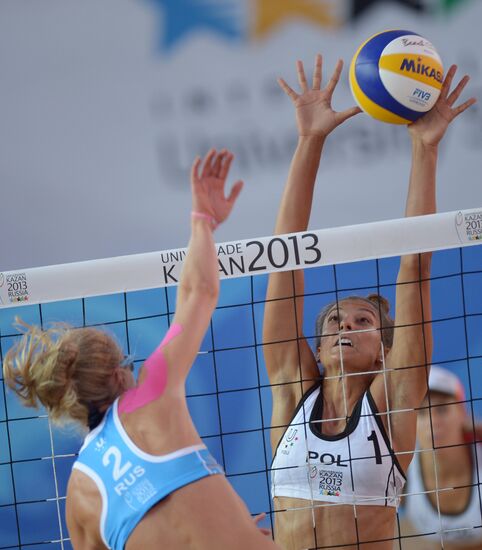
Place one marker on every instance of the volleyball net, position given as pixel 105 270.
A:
pixel 228 391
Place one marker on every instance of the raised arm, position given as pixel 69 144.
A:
pixel 411 353
pixel 283 318
pixel 169 365
pixel 199 282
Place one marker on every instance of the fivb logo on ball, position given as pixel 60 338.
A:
pixel 396 76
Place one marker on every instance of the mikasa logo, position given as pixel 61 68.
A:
pixel 409 65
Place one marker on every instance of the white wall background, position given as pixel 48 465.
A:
pixel 98 126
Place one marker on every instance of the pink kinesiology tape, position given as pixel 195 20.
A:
pixel 155 379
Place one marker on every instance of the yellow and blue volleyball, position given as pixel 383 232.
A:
pixel 396 76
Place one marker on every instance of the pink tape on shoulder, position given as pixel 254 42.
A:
pixel 155 379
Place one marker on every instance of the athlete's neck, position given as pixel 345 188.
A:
pixel 340 395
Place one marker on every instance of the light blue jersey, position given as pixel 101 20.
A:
pixel 131 481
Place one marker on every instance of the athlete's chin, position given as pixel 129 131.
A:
pixel 358 368
pixel 353 363
pixel 348 355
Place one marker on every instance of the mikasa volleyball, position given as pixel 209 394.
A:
pixel 396 76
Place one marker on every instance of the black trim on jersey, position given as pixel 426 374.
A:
pixel 381 427
pixel 304 397
pixel 390 474
pixel 469 502
pixel 317 414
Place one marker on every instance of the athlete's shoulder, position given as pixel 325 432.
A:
pixel 83 509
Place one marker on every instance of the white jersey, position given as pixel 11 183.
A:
pixel 465 527
pixel 357 466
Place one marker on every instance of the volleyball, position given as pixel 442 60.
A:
pixel 396 76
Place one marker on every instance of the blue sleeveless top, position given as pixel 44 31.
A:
pixel 132 481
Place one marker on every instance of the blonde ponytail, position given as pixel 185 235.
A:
pixel 67 370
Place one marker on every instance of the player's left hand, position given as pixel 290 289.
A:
pixel 315 115
pixel 431 127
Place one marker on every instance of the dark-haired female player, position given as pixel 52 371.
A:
pixel 339 458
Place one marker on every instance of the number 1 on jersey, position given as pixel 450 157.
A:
pixel 378 455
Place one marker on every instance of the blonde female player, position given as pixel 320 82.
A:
pixel 442 502
pixel 336 473
pixel 143 478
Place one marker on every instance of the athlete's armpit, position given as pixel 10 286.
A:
pixel 155 380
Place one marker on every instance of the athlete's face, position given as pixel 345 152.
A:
pixel 350 331
pixel 444 417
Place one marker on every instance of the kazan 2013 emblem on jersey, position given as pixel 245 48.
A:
pixel 289 440
pixel 331 482
pixel 328 482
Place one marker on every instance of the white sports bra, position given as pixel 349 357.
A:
pixel 357 466
pixel 465 527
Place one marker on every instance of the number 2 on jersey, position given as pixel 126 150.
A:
pixel 118 470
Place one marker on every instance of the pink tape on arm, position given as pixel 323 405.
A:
pixel 155 379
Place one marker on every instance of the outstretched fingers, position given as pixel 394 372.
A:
pixel 208 179
pixel 223 174
pixel 317 72
pixel 330 87
pixel 195 169
pixel 226 165
pixel 461 108
pixel 447 83
pixel 207 167
pixel 301 76
pixel 235 191
pixel 218 162
pixel 348 113
pixel 287 89
pixel 452 98
pixel 317 78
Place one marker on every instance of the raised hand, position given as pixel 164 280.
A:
pixel 314 114
pixel 431 127
pixel 207 185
